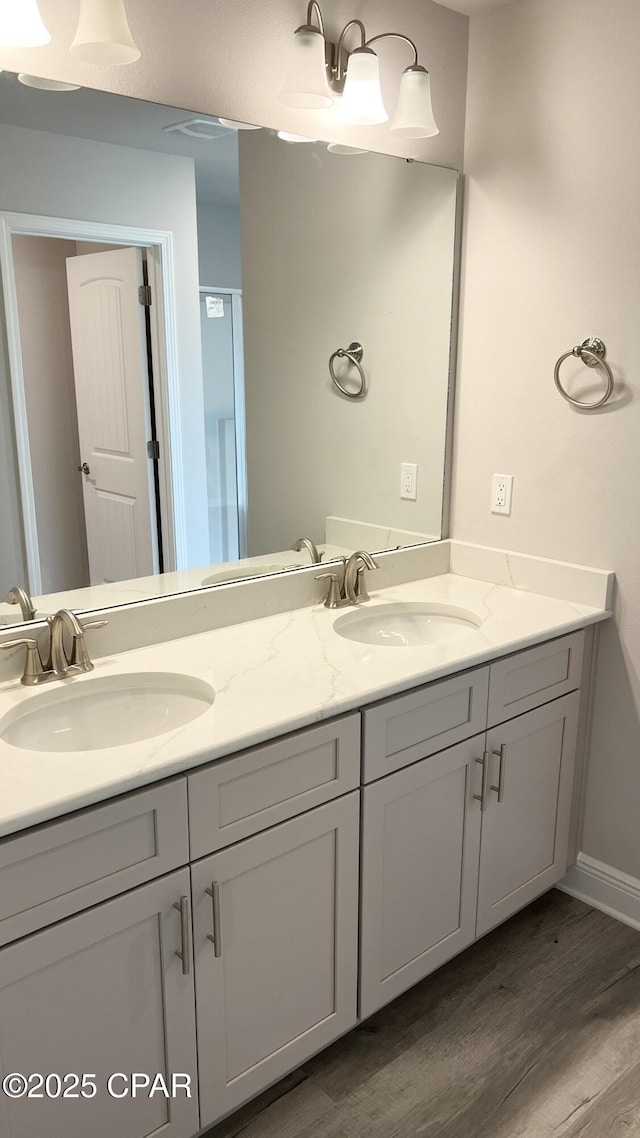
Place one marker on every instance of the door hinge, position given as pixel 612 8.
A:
pixel 153 449
pixel 144 295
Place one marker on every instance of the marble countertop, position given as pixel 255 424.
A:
pixel 270 676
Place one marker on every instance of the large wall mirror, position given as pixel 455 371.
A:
pixel 176 293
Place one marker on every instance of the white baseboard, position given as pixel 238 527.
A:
pixel 605 888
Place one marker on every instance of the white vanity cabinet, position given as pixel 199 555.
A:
pixel 222 925
pixel 99 994
pixel 276 951
pixel 275 913
pixel 455 843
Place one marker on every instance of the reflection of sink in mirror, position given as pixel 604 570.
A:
pixel 241 572
pixel 231 485
pixel 108 711
pixel 407 624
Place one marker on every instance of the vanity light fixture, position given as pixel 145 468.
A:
pixel 233 124
pixel 104 35
pixel 321 71
pixel 21 24
pixel 287 136
pixel 41 84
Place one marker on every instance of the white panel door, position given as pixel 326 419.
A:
pixel 420 845
pixel 99 994
pixel 281 981
pixel 110 363
pixel 525 828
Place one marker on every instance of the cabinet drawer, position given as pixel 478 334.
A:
pixel 406 728
pixel 257 789
pixel 58 869
pixel 533 677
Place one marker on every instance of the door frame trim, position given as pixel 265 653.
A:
pixel 240 412
pixel 166 371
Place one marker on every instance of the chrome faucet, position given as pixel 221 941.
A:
pixel 310 546
pixel 19 596
pixel 353 588
pixel 59 662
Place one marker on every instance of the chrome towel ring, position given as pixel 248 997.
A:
pixel 592 353
pixel 354 354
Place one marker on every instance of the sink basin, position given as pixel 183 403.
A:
pixel 243 571
pixel 106 711
pixel 407 624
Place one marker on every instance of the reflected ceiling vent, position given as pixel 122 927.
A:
pixel 199 128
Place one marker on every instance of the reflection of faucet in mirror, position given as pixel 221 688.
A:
pixel 307 543
pixel 19 596
pixel 61 664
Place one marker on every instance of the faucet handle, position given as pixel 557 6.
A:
pixel 333 599
pixel 33 668
pixel 79 653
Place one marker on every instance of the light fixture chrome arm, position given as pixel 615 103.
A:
pixel 338 69
pixel 314 9
pixel 395 36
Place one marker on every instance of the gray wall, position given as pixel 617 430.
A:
pixel 336 249
pixel 47 364
pixel 552 256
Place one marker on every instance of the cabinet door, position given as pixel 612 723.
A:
pixel 525 827
pixel 278 980
pixel 420 843
pixel 98 994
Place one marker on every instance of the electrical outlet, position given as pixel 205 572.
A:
pixel 501 493
pixel 409 481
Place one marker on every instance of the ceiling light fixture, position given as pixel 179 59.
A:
pixel 233 124
pixel 104 35
pixel 21 24
pixel 320 71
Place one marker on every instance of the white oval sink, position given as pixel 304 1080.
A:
pixel 243 571
pixel 106 711
pixel 407 624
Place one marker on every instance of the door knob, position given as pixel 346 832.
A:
pixel 84 469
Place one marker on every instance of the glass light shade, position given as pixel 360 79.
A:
pixel 305 83
pixel 362 103
pixel 233 124
pixel 103 34
pixel 414 113
pixel 45 84
pixel 21 24
pixel 287 136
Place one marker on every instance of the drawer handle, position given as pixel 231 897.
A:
pixel 483 797
pixel 216 938
pixel 184 952
pixel 502 755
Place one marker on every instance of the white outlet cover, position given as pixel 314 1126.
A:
pixel 501 494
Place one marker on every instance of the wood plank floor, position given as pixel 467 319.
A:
pixel 533 1032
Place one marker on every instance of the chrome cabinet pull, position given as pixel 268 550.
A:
pixel 216 938
pixel 502 755
pixel 184 952
pixel 483 797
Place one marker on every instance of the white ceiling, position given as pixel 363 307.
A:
pixel 106 117
pixel 471 7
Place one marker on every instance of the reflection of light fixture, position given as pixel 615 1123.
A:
pixel 103 34
pixel 287 136
pixel 320 70
pixel 342 148
pixel 21 24
pixel 233 124
pixel 45 84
